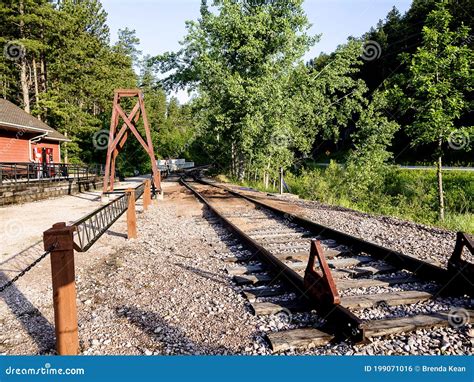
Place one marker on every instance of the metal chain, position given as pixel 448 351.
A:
pixel 24 271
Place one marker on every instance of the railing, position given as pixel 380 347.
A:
pixel 61 241
pixel 92 226
pixel 35 172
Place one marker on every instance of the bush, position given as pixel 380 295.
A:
pixel 408 194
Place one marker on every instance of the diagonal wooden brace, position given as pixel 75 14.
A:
pixel 117 139
pixel 320 287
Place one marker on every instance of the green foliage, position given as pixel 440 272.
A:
pixel 367 163
pixel 72 69
pixel 440 77
pixel 408 194
pixel 241 57
pixel 72 73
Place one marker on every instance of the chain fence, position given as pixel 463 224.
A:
pixel 25 270
pixel 89 228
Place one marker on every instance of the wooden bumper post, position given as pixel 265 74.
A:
pixel 59 239
pixel 131 215
pixel 147 195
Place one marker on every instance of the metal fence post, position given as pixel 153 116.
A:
pixel 147 195
pixel 131 215
pixel 60 238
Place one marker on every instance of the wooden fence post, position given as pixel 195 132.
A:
pixel 131 215
pixel 60 238
pixel 147 195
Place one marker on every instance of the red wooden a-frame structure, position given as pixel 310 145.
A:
pixel 118 139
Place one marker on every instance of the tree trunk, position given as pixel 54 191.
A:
pixel 241 167
pixel 35 77
pixel 23 64
pixel 232 159
pixel 281 180
pixel 439 174
pixel 44 86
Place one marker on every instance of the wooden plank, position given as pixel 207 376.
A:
pixel 375 269
pixel 268 308
pixel 365 283
pixel 364 271
pixel 235 259
pixel 244 269
pixel 285 239
pixel 349 262
pixel 298 338
pixel 300 267
pixel 294 245
pixel 386 327
pixel 304 255
pixel 291 243
pixel 253 293
pixel 391 299
pixel 288 233
pixel 252 279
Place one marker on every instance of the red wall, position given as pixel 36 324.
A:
pixel 14 148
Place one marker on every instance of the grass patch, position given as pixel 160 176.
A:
pixel 406 194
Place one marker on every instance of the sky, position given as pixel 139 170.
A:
pixel 160 24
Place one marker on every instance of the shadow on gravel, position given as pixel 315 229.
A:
pixel 205 274
pixel 169 337
pixel 37 326
pixel 23 258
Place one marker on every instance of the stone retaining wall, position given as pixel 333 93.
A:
pixel 15 193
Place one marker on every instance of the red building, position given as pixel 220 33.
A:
pixel 24 138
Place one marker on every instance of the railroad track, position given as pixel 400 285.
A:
pixel 294 266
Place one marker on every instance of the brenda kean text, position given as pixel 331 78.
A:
pixel 409 368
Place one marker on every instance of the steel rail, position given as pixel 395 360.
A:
pixel 420 268
pixel 341 321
